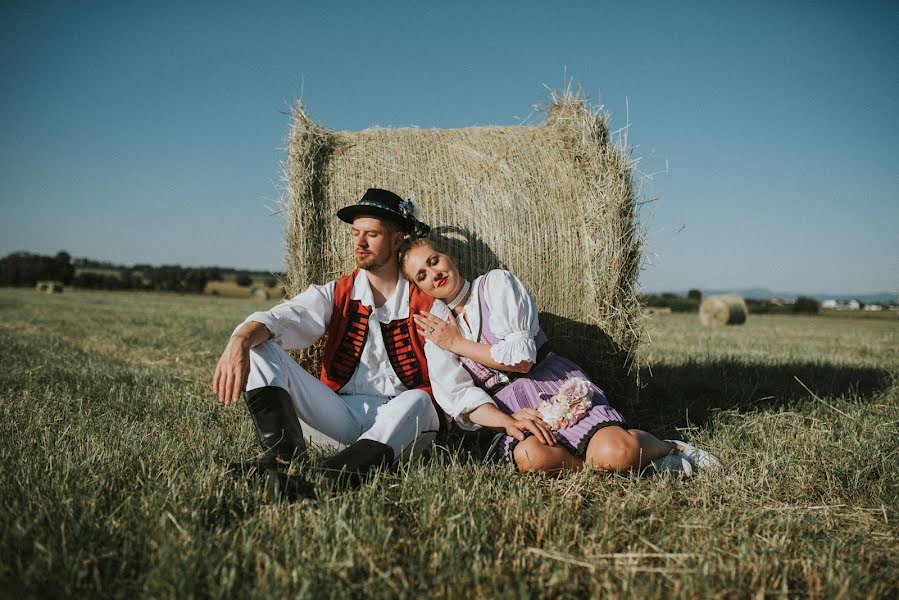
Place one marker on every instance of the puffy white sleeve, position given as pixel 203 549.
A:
pixel 300 321
pixel 514 318
pixel 453 388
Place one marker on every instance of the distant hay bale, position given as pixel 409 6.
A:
pixel 729 309
pixel 554 203
pixel 230 289
pixel 50 287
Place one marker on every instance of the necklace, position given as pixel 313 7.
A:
pixel 452 304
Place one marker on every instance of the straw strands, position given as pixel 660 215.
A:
pixel 729 309
pixel 554 203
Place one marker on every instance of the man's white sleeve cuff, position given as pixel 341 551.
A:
pixel 266 318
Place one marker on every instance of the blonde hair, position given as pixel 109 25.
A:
pixel 413 243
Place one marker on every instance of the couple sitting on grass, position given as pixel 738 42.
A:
pixel 409 342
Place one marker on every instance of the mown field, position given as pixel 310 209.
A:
pixel 112 452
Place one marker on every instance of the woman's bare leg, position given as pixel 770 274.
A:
pixel 651 446
pixel 610 449
pixel 531 455
pixel 614 449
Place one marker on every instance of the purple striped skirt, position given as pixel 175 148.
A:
pixel 547 377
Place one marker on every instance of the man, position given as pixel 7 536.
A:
pixel 375 391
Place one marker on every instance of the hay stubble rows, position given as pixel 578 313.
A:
pixel 112 483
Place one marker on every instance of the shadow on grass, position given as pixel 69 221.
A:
pixel 687 395
pixel 677 395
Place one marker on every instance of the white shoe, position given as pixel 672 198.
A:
pixel 700 459
pixel 672 463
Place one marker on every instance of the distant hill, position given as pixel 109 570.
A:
pixel 758 293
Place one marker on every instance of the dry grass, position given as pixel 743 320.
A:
pixel 113 485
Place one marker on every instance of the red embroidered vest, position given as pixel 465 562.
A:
pixel 348 329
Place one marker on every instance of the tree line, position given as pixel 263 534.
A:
pixel 26 269
pixel 691 302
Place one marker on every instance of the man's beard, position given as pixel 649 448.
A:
pixel 370 262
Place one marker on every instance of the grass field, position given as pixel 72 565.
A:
pixel 112 483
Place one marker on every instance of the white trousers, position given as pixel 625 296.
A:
pixel 406 423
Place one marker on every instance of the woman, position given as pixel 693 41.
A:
pixel 498 338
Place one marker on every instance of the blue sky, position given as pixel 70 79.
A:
pixel 152 132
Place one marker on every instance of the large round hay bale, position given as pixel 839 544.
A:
pixel 728 309
pixel 554 203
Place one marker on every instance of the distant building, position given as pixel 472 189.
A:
pixel 873 307
pixel 830 304
pixel 853 305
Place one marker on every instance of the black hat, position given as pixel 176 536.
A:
pixel 385 205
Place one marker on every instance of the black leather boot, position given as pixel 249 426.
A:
pixel 277 428
pixel 349 467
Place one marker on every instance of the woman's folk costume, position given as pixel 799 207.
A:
pixel 501 312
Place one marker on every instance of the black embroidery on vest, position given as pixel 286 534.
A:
pixel 350 347
pixel 399 351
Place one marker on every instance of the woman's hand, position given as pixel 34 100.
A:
pixel 443 333
pixel 530 413
pixel 517 428
pixel 488 415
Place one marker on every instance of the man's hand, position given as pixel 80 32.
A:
pixel 233 369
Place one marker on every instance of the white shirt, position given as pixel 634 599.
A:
pixel 514 318
pixel 303 320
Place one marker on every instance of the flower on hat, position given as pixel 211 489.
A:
pixel 568 406
pixel 421 229
pixel 407 208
